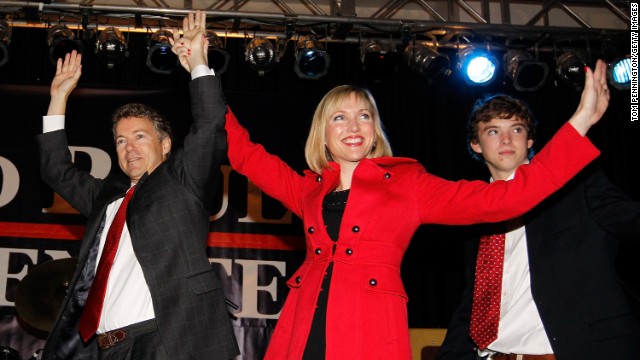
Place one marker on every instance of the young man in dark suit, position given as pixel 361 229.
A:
pixel 557 293
pixel 162 300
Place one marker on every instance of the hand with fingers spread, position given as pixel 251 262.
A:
pixel 594 100
pixel 191 48
pixel 68 71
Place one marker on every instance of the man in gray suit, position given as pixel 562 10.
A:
pixel 163 300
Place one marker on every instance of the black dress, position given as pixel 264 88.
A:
pixel 333 206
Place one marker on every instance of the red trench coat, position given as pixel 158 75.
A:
pixel 389 199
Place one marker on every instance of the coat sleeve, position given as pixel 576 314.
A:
pixel 267 171
pixel 468 202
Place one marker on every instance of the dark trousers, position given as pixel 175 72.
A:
pixel 141 342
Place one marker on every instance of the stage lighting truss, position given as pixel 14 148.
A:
pixel 424 59
pixel 5 39
pixel 261 55
pixel 379 59
pixel 527 73
pixel 312 61
pixel 61 42
pixel 111 47
pixel 217 55
pixel 619 73
pixel 477 65
pixel 160 58
pixel 570 68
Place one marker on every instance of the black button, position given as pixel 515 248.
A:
pixel 373 282
pixel 298 279
pixel 387 176
pixel 318 251
pixel 355 229
pixel 348 251
pixel 311 230
pixel 318 178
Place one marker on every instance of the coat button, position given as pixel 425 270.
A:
pixel 355 229
pixel 311 230
pixel 373 282
pixel 318 178
pixel 349 252
pixel 298 279
pixel 387 176
pixel 318 251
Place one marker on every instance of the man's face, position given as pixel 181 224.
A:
pixel 504 145
pixel 139 148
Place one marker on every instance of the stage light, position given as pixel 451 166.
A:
pixel 379 60
pixel 111 47
pixel 570 68
pixel 61 42
pixel 427 61
pixel 160 58
pixel 312 62
pixel 261 55
pixel 619 73
pixel 477 65
pixel 527 73
pixel 5 39
pixel 217 55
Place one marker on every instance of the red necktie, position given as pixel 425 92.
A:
pixel 93 307
pixel 485 314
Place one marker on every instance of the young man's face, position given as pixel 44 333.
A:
pixel 138 146
pixel 504 145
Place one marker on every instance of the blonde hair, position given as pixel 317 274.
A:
pixel 315 150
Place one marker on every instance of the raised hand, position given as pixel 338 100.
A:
pixel 191 48
pixel 594 100
pixel 68 71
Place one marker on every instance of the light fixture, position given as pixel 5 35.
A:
pixel 619 73
pixel 217 55
pixel 312 62
pixel 111 47
pixel 527 73
pixel 5 39
pixel 61 42
pixel 477 65
pixel 261 55
pixel 379 59
pixel 160 58
pixel 427 61
pixel 570 68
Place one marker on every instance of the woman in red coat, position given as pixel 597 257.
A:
pixel 360 208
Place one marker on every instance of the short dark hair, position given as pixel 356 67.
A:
pixel 499 106
pixel 160 124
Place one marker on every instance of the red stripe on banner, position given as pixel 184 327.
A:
pixel 216 239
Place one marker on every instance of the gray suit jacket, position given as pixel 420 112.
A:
pixel 168 218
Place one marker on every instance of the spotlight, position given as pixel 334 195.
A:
pixel 61 42
pixel 527 73
pixel 379 61
pixel 160 58
pixel 619 73
pixel 312 62
pixel 111 47
pixel 218 56
pixel 261 55
pixel 570 68
pixel 5 39
pixel 427 61
pixel 478 66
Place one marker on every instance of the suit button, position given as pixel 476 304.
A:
pixel 318 251
pixel 318 178
pixel 387 176
pixel 355 229
pixel 373 282
pixel 311 230
pixel 349 252
pixel 298 279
